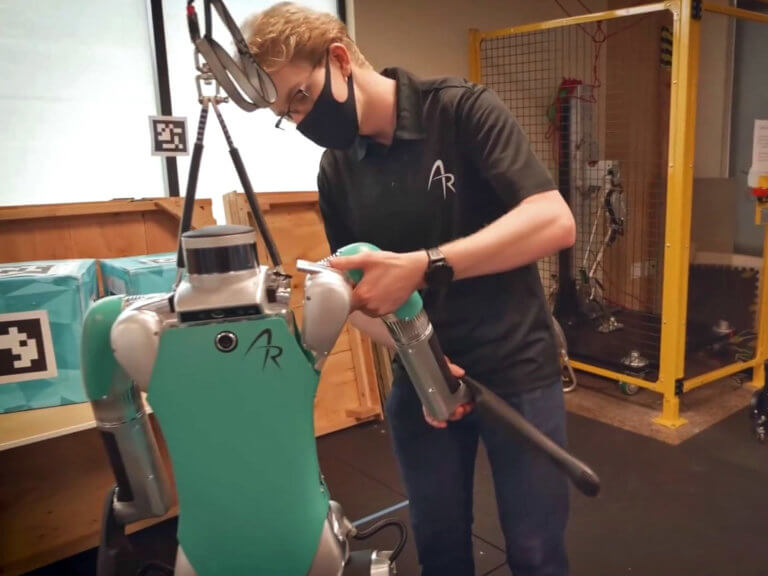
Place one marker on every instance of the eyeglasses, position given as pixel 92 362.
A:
pixel 301 95
pixel 299 100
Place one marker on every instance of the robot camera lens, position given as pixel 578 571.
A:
pixel 226 341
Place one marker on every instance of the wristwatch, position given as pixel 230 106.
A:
pixel 439 273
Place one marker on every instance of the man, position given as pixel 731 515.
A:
pixel 438 174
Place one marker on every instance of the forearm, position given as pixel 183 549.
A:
pixel 538 227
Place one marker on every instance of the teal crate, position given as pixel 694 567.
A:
pixel 42 306
pixel 150 274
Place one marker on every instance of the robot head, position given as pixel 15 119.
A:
pixel 224 279
pixel 220 250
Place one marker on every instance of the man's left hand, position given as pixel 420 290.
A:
pixel 388 279
pixel 460 411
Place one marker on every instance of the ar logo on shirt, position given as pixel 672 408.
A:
pixel 438 173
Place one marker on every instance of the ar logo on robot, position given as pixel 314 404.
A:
pixel 271 351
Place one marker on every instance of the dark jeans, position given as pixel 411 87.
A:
pixel 438 468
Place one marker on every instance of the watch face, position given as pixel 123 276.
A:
pixel 440 275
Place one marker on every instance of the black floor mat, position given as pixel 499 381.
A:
pixel 694 509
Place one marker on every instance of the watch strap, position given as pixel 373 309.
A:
pixel 435 256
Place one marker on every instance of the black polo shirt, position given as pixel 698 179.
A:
pixel 458 161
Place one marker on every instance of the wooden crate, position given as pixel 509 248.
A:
pixel 54 473
pixel 348 391
pixel 94 229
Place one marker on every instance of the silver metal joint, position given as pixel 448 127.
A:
pixel 118 408
pixel 407 332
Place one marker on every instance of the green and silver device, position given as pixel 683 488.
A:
pixel 416 343
pixel 231 380
pixel 418 347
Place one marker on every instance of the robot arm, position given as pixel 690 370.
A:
pixel 407 330
pixel 327 304
pixel 143 489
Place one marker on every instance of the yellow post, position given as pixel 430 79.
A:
pixel 475 37
pixel 685 61
pixel 761 349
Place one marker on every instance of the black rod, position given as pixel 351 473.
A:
pixel 261 223
pixel 497 411
pixel 164 87
pixel 566 304
pixel 194 169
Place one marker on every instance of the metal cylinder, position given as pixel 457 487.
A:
pixel 419 350
pixel 143 485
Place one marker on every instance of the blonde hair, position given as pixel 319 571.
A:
pixel 287 32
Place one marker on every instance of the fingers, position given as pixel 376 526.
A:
pixel 457 371
pixel 433 422
pixel 358 261
pixel 362 300
pixel 461 411
pixel 361 294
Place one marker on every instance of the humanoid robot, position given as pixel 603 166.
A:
pixel 231 381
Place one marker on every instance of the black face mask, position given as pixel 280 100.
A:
pixel 330 123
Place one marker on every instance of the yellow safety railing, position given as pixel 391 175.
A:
pixel 686 31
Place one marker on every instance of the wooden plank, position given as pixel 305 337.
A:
pixel 364 369
pixel 51 503
pixel 174 207
pixel 336 393
pixel 236 209
pixel 94 230
pixel 161 233
pixel 108 235
pixel 48 239
pixel 230 209
pixel 74 209
pixel 384 376
pixel 175 212
pixel 8 213
pixel 30 426
pixel 267 201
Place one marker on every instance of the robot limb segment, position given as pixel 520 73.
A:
pixel 143 489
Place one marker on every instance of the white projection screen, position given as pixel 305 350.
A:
pixel 78 87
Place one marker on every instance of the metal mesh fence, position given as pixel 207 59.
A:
pixel 726 245
pixel 593 100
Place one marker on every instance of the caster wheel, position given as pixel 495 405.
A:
pixel 628 389
pixel 759 416
pixel 568 376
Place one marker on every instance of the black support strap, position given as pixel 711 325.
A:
pixel 243 80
